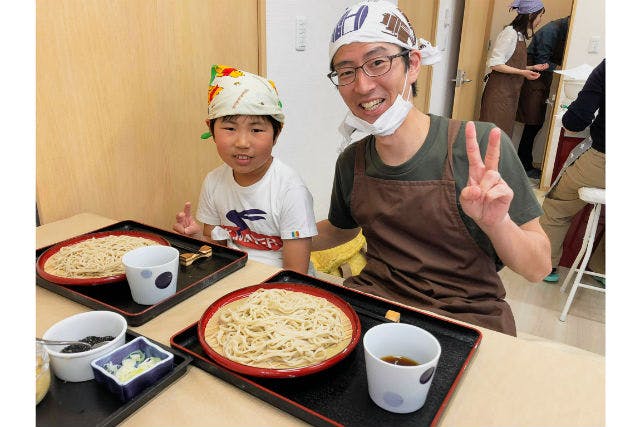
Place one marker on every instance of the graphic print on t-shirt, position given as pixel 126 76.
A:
pixel 242 235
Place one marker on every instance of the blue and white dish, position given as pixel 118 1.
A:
pixel 108 369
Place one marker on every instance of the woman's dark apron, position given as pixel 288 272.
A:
pixel 500 97
pixel 532 107
pixel 419 251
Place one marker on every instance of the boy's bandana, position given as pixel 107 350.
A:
pixel 379 21
pixel 234 92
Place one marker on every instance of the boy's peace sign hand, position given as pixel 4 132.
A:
pixel 487 197
pixel 185 224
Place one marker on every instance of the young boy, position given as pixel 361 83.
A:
pixel 253 202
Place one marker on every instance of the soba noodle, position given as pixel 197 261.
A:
pixel 95 257
pixel 278 328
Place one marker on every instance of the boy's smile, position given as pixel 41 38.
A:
pixel 243 158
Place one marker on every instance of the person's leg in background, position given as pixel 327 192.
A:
pixel 556 220
pixel 525 149
pixel 563 203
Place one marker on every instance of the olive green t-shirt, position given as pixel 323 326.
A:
pixel 427 164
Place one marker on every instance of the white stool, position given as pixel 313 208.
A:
pixel 596 197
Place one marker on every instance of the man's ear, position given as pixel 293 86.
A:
pixel 414 65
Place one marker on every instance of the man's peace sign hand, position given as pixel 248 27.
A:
pixel 487 197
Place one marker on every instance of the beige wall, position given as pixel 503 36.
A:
pixel 121 96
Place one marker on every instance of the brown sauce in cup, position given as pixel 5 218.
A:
pixel 400 360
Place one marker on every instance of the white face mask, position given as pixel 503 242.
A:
pixel 384 125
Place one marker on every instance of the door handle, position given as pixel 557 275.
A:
pixel 551 100
pixel 460 78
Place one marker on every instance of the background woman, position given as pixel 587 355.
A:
pixel 508 64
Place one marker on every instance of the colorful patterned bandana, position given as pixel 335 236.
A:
pixel 236 92
pixel 379 21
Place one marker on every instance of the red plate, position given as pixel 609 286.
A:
pixel 42 259
pixel 279 373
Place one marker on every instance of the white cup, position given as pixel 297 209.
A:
pixel 152 273
pixel 398 388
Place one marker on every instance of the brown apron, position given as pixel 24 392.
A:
pixel 532 107
pixel 419 251
pixel 500 97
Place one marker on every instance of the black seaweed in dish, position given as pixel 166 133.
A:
pixel 91 340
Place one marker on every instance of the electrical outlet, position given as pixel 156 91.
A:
pixel 301 33
pixel 594 45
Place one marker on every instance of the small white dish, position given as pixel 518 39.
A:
pixel 76 367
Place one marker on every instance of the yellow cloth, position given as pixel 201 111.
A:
pixel 329 260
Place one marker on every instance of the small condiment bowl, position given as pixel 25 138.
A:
pixel 76 367
pixel 128 389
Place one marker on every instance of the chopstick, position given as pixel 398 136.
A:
pixel 391 316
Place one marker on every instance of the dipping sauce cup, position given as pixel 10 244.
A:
pixel 400 361
pixel 152 273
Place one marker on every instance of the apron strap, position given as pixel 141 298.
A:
pixel 358 168
pixel 452 133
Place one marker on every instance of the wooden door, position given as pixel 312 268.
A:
pixel 121 98
pixel 476 21
pixel 550 151
pixel 423 16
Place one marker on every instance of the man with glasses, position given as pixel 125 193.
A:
pixel 440 220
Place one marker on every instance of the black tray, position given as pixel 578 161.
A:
pixel 90 403
pixel 192 279
pixel 338 395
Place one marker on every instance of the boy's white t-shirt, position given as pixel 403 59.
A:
pixel 256 219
